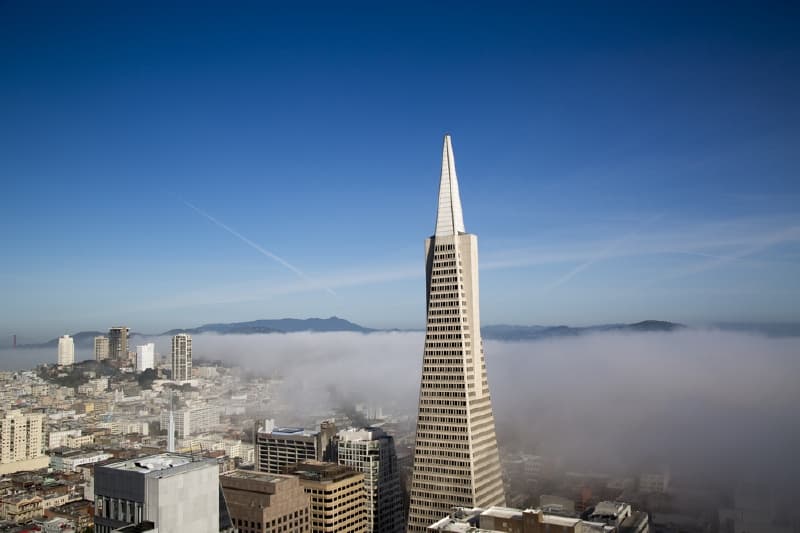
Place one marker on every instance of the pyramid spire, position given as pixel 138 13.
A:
pixel 450 219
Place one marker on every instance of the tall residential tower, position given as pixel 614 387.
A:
pixel 66 350
pixel 456 463
pixel 182 357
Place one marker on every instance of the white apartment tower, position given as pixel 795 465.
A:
pixel 145 356
pixel 182 357
pixel 456 463
pixel 100 348
pixel 21 441
pixel 371 452
pixel 66 350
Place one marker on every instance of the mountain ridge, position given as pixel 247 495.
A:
pixel 336 324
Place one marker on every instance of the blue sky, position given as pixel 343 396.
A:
pixel 618 161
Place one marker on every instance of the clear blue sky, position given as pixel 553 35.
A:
pixel 618 161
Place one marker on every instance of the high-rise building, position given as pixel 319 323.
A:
pixel 178 493
pixel 145 356
pixel 195 417
pixel 182 357
pixel 338 503
pixel 258 501
pixel 371 452
pixel 456 463
pixel 100 348
pixel 66 350
pixel 21 441
pixel 277 448
pixel 118 343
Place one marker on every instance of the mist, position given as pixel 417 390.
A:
pixel 716 404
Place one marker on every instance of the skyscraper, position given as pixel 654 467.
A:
pixel 456 463
pixel 100 348
pixel 118 343
pixel 66 350
pixel 145 356
pixel 371 452
pixel 182 357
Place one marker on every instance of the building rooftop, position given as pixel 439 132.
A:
pixel 321 471
pixel 162 464
pixel 257 476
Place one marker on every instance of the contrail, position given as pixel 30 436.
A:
pixel 255 246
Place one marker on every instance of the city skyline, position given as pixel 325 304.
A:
pixel 638 164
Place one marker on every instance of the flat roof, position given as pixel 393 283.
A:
pixel 161 464
pixel 252 474
pixel 502 512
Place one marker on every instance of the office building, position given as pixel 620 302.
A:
pixel 338 502
pixel 277 448
pixel 118 343
pixel 371 452
pixel 261 502
pixel 66 350
pixel 21 441
pixel 145 357
pixel 100 348
pixel 182 357
pixel 456 463
pixel 192 419
pixel 177 493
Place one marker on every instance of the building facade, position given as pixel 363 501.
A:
pixel 371 452
pixel 118 343
pixel 338 502
pixel 145 356
pixel 277 448
pixel 265 503
pixel 21 441
pixel 100 348
pixel 177 493
pixel 66 350
pixel 182 357
pixel 456 463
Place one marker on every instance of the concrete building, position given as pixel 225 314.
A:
pixel 262 502
pixel 193 419
pixel 66 350
pixel 101 348
pixel 118 343
pixel 175 492
pixel 182 357
pixel 21 441
pixel 145 356
pixel 68 459
pixel 371 452
pixel 456 463
pixel 280 447
pixel 608 517
pixel 338 502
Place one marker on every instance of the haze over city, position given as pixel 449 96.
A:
pixel 241 257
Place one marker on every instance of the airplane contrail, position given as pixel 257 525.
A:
pixel 255 246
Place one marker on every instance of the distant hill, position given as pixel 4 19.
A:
pixel 519 333
pixel 280 325
pixel 85 339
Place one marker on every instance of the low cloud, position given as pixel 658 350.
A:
pixel 717 404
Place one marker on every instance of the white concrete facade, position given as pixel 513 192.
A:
pixel 456 463
pixel 145 356
pixel 66 350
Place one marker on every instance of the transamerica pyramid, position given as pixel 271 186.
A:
pixel 456 463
